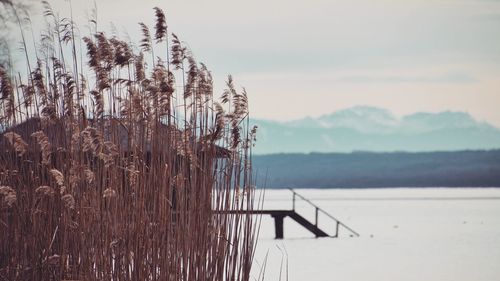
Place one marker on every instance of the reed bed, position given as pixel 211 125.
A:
pixel 117 164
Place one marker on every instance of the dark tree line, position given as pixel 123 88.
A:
pixel 366 169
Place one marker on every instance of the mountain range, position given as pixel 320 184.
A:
pixel 365 128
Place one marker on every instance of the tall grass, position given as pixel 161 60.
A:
pixel 111 171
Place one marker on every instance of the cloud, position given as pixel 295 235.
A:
pixel 453 78
pixel 402 55
pixel 489 17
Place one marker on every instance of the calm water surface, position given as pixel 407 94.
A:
pixel 431 234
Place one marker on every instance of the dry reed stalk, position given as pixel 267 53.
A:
pixel 123 181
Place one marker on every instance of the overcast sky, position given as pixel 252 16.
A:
pixel 308 58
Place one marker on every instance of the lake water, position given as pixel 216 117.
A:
pixel 431 234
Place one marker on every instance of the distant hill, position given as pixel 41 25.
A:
pixel 367 169
pixel 375 129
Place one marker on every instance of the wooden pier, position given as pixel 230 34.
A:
pixel 280 215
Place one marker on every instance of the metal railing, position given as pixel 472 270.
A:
pixel 338 223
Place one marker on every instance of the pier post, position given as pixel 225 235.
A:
pixel 278 226
pixel 316 220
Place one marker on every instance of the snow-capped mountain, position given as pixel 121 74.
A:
pixel 376 129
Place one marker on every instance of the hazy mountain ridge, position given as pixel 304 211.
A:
pixel 375 129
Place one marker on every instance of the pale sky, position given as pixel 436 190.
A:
pixel 308 58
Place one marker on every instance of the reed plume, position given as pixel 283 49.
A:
pixel 161 25
pixel 45 146
pixel 45 190
pixel 58 176
pixel 17 142
pixel 9 196
pixel 146 42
